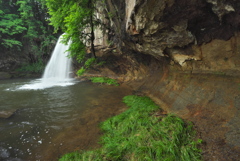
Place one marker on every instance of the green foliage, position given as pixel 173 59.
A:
pixel 75 18
pixel 9 43
pixel 137 134
pixel 81 71
pixel 38 33
pixel 10 25
pixel 22 19
pixel 47 44
pixel 88 63
pixel 104 80
pixel 86 156
pixel 219 73
pixel 37 67
pixel 23 25
pixel 101 63
pixel 33 13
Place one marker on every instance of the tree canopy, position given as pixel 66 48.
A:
pixel 21 19
pixel 76 19
pixel 11 25
pixel 24 27
pixel 30 24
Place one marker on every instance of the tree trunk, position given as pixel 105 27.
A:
pixel 92 29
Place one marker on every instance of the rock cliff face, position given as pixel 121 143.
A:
pixel 199 35
pixel 185 54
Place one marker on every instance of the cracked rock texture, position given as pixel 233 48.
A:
pixel 179 30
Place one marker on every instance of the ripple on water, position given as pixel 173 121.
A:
pixel 45 114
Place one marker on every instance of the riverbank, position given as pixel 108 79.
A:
pixel 143 132
pixel 209 99
pixel 16 75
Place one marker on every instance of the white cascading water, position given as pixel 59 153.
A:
pixel 59 67
pixel 57 71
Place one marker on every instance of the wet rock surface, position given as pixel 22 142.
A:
pixel 7 113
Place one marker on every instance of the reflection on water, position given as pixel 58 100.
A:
pixel 42 114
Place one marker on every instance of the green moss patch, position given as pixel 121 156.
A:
pixel 104 80
pixel 141 134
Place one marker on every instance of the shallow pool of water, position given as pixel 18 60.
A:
pixel 41 115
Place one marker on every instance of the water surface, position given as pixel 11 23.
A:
pixel 44 114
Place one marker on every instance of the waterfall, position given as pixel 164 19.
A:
pixel 59 66
pixel 57 71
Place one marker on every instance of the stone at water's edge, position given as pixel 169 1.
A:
pixel 7 113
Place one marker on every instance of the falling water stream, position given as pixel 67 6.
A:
pixel 45 108
pixel 57 71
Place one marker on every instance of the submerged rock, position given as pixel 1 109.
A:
pixel 7 113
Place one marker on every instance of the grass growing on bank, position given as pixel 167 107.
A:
pixel 106 80
pixel 139 135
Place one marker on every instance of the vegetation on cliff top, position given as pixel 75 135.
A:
pixel 140 133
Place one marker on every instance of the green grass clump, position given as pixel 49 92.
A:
pixel 81 71
pixel 138 135
pixel 106 80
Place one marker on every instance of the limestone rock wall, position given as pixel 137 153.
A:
pixel 199 35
